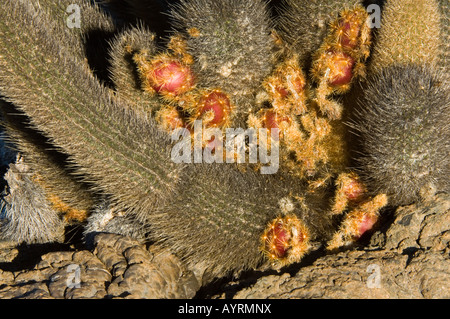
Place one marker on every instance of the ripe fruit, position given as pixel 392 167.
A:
pixel 170 77
pixel 214 107
pixel 164 74
pixel 350 190
pixel 357 222
pixel 271 119
pixel 285 240
pixel 340 68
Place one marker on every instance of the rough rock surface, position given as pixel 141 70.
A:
pixel 117 267
pixel 408 258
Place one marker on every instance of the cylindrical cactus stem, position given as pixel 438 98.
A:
pixel 406 36
pixel 42 77
pixel 231 45
pixel 26 214
pixel 48 168
pixel 402 124
pixel 402 131
pixel 127 84
pixel 213 108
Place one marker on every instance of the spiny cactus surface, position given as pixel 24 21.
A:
pixel 402 38
pixel 304 24
pixel 26 213
pixel 224 65
pixel 231 45
pixel 403 124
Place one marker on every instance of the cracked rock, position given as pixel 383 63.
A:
pixel 118 267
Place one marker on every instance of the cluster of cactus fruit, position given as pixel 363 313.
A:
pixel 362 115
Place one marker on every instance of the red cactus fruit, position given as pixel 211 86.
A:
pixel 365 216
pixel 350 190
pixel 352 187
pixel 340 66
pixel 358 222
pixel 219 104
pixel 344 51
pixel 349 29
pixel 170 77
pixel 285 240
pixel 271 119
pixel 365 223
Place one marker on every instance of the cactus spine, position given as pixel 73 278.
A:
pixel 406 36
pixel 304 24
pixel 205 213
pixel 225 66
pixel 48 168
pixel 232 46
pixel 86 128
pixel 26 213
pixel 402 123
